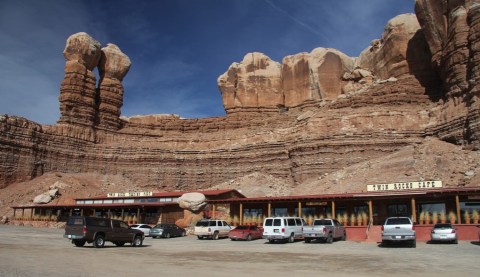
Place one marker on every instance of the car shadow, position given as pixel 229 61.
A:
pixel 395 245
pixel 475 243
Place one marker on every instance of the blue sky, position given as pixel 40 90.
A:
pixel 178 48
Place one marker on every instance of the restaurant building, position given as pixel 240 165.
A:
pixel 426 202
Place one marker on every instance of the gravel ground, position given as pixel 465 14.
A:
pixel 27 251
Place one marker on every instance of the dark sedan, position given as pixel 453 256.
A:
pixel 167 230
pixel 246 232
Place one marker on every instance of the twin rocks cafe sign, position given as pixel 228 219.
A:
pixel 406 186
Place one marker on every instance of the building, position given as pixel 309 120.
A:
pixel 422 201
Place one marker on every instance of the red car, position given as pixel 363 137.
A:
pixel 246 232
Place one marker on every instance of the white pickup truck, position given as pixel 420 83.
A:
pixel 399 229
pixel 212 229
pixel 325 229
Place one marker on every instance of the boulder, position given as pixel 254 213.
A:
pixel 43 198
pixel 193 201
pixel 189 218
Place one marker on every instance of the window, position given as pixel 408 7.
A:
pixel 280 212
pixel 397 210
pixel 432 207
pixel 97 201
pixel 298 221
pixel 291 222
pixel 268 222
pixel 277 222
pixel 469 206
pixel 107 201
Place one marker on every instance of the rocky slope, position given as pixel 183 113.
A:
pixel 317 122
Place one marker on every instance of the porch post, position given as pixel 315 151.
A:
pixel 122 213
pixel 241 214
pixel 414 211
pixel 370 211
pixel 138 214
pixel 213 210
pixel 457 204
pixel 269 213
pixel 299 209
pixel 14 211
pixel 81 212
pixel 333 209
pixel 23 213
pixel 94 212
pixel 31 213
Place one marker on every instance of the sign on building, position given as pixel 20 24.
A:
pixel 130 194
pixel 405 186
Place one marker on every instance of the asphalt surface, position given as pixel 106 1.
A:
pixel 27 251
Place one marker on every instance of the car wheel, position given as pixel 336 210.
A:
pixel 455 241
pixel 167 235
pixel 199 237
pixel 137 241
pixel 344 236
pixel 329 239
pixel 154 237
pixel 249 237
pixel 215 236
pixel 414 244
pixel 79 243
pixel 99 241
pixel 184 233
pixel 119 244
pixel 307 240
pixel 291 238
pixel 271 241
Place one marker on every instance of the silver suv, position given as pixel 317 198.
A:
pixel 399 229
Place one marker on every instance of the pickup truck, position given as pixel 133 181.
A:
pixel 83 229
pixel 325 229
pixel 399 229
pixel 212 229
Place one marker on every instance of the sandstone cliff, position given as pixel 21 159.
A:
pixel 313 123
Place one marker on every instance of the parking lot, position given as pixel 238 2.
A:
pixel 27 251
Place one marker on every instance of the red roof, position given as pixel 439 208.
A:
pixel 172 194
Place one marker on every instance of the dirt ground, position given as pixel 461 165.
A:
pixel 27 251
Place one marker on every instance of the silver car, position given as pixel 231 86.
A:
pixel 444 232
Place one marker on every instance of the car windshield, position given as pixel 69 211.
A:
pixel 134 226
pixel 442 225
pixel 398 221
pixel 160 226
pixel 75 221
pixel 322 222
pixel 242 228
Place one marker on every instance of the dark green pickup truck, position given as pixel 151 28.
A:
pixel 83 229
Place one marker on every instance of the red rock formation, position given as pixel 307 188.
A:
pixel 254 83
pixel 451 30
pixel 77 92
pixel 113 67
pixel 322 131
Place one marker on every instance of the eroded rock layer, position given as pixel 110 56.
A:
pixel 311 115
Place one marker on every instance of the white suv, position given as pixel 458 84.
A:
pixel 212 229
pixel 283 228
